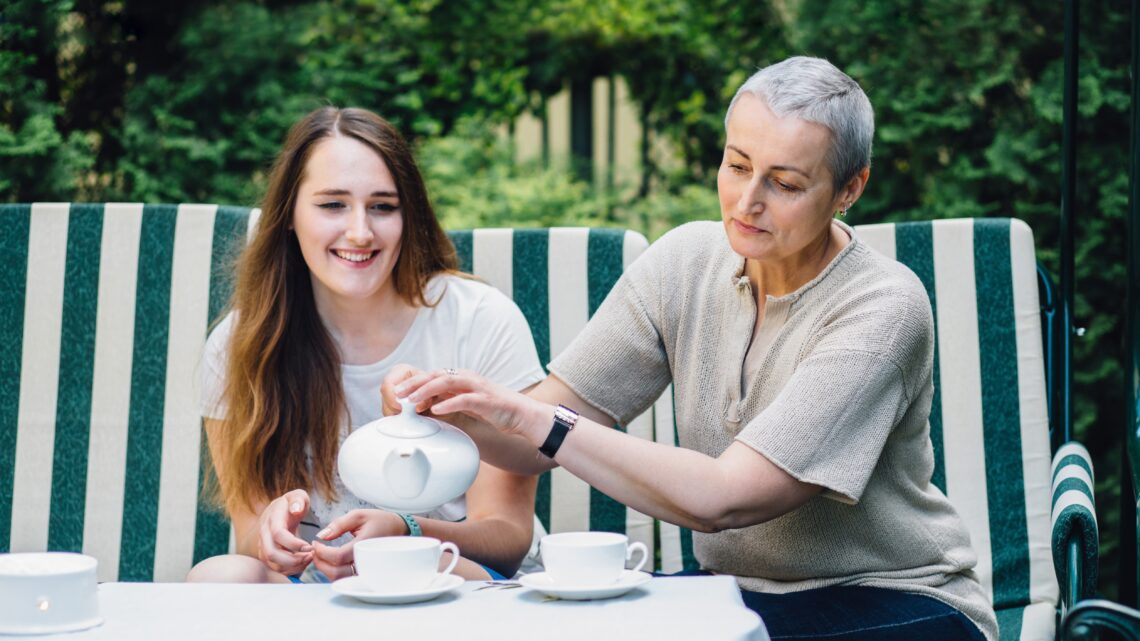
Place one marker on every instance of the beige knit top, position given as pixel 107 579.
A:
pixel 840 399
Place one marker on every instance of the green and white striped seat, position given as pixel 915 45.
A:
pixel 989 421
pixel 105 309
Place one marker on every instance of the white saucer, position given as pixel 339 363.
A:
pixel 70 626
pixel 355 587
pixel 544 583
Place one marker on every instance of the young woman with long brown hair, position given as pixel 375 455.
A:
pixel 347 274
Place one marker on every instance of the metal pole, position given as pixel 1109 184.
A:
pixel 1129 578
pixel 1126 590
pixel 1076 572
pixel 582 127
pixel 1068 191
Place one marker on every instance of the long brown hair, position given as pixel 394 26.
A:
pixel 283 393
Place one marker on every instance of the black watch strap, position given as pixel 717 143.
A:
pixel 564 421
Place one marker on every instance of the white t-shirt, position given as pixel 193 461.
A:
pixel 474 327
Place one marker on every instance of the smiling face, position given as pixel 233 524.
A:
pixel 776 193
pixel 348 223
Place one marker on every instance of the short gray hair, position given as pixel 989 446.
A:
pixel 814 90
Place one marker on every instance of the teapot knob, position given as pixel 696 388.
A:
pixel 406 469
pixel 407 407
pixel 408 423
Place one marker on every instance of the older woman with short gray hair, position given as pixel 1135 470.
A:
pixel 802 364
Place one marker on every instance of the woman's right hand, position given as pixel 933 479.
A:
pixel 451 391
pixel 396 376
pixel 495 417
pixel 337 562
pixel 279 547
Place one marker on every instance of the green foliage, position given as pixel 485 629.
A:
pixel 37 158
pixel 179 146
pixel 203 119
pixel 36 161
pixel 473 183
pixel 683 60
pixel 189 101
pixel 664 209
pixel 423 64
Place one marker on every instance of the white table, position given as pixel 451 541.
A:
pixel 664 609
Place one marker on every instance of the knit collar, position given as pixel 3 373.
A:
pixel 854 247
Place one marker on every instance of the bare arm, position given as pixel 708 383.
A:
pixel 740 487
pixel 500 520
pixel 245 523
pixel 245 533
pixel 268 532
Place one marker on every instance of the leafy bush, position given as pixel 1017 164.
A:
pixel 189 101
pixel 473 183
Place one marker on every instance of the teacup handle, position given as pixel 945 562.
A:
pixel 449 546
pixel 634 547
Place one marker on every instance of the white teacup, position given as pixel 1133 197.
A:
pixel 588 558
pixel 47 592
pixel 395 564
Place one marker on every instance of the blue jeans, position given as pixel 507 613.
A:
pixel 858 613
pixel 849 613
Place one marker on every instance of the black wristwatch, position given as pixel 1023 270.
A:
pixel 564 421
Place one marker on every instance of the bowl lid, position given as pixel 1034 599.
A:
pixel 44 563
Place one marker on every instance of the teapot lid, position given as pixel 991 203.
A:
pixel 408 423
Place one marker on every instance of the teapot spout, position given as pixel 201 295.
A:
pixel 406 469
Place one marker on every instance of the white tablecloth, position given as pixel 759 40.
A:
pixel 664 609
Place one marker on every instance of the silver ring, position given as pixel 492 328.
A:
pixel 451 371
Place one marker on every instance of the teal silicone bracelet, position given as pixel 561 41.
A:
pixel 413 527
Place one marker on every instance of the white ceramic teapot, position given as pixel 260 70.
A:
pixel 407 462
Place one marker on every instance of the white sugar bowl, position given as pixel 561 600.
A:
pixel 407 462
pixel 48 592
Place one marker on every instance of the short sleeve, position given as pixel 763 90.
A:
pixel 831 421
pixel 618 363
pixel 211 371
pixel 502 348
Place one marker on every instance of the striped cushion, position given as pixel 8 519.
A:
pixel 1074 513
pixel 99 454
pixel 105 312
pixel 100 438
pixel 988 421
pixel 1036 621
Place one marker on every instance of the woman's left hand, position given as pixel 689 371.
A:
pixel 468 393
pixel 336 562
